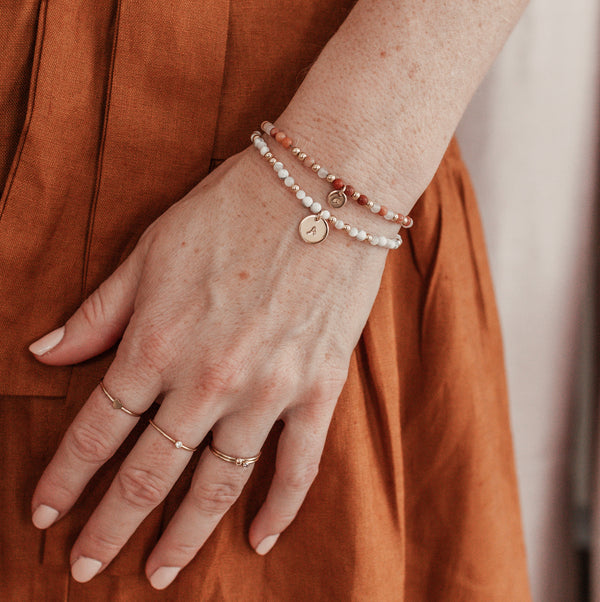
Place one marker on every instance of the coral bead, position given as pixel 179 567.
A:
pixel 338 184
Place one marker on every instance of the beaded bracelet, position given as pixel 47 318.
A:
pixel 315 228
pixel 341 191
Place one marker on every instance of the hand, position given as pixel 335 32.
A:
pixel 239 323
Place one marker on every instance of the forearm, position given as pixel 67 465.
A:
pixel 387 92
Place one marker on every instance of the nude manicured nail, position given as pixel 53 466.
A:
pixel 44 516
pixel 51 340
pixel 164 576
pixel 83 569
pixel 266 544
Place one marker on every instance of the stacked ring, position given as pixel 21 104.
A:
pixel 178 444
pixel 243 462
pixel 117 404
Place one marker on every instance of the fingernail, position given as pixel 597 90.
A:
pixel 164 576
pixel 266 544
pixel 44 516
pixel 51 340
pixel 83 569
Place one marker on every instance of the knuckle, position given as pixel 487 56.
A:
pixel 301 478
pixel 93 309
pixel 155 351
pixel 326 389
pixel 90 444
pixel 215 499
pixel 223 377
pixel 108 544
pixel 141 488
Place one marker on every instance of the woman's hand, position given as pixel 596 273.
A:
pixel 239 323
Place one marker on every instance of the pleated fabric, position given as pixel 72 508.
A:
pixel 110 112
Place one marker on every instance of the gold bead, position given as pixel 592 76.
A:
pixel 316 167
pixel 369 204
pixel 295 188
pixel 295 151
pixel 356 196
pixel 332 219
pixel 396 217
pixel 302 156
pixel 273 160
pixel 369 237
pixel 347 227
pixel 330 178
pixel 268 156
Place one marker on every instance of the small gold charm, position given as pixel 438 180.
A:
pixel 313 229
pixel 337 199
pixel 116 403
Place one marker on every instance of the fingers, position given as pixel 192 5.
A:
pixel 98 323
pixel 143 481
pixel 215 487
pixel 93 437
pixel 298 454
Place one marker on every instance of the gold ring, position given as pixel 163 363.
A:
pixel 178 444
pixel 116 403
pixel 244 462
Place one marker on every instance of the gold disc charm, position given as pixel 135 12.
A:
pixel 313 229
pixel 337 199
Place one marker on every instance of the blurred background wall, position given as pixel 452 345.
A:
pixel 531 140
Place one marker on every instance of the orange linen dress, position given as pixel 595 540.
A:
pixel 110 111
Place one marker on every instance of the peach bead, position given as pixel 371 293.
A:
pixel 280 136
pixel 286 142
pixel 383 210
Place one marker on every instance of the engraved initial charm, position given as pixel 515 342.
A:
pixel 337 199
pixel 313 229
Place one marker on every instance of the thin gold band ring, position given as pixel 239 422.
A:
pixel 117 404
pixel 244 462
pixel 178 444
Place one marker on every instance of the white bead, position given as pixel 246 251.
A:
pixel 389 215
pixel 361 235
pixel 391 244
pixel 383 241
pixel 264 150
pixel 375 208
pixel 289 181
pixel 283 173
pixel 353 232
pixel 315 207
pixel 307 201
pixel 277 165
pixel 375 240
pixel 326 214
pixel 322 173
pixel 339 224
pixel 300 195
pixel 268 127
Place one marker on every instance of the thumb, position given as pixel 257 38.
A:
pixel 100 320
